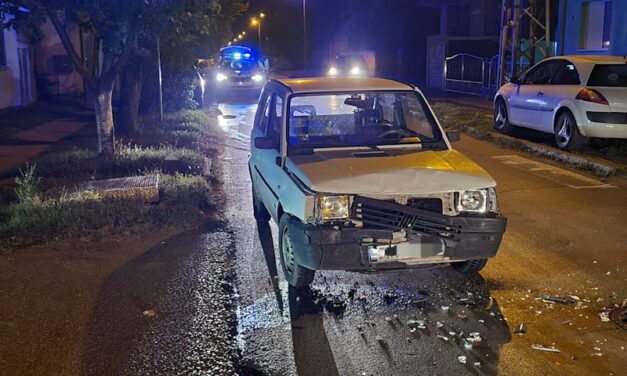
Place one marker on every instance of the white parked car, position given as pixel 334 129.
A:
pixel 359 176
pixel 572 97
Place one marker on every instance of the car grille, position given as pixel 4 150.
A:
pixel 378 214
pixel 607 117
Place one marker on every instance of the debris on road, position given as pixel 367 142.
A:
pixel 444 338
pixel 521 329
pixel 462 359
pixel 558 299
pixel 547 349
pixel 149 313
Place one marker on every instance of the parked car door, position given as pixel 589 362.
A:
pixel 564 84
pixel 267 174
pixel 527 100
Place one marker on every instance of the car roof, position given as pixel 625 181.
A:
pixel 593 58
pixel 341 84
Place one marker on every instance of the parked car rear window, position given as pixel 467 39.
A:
pixel 609 75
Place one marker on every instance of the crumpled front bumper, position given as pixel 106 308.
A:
pixel 347 248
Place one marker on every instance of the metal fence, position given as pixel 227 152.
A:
pixel 470 74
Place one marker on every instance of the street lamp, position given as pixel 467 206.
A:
pixel 256 22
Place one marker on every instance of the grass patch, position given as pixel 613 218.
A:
pixel 184 199
pixel 129 160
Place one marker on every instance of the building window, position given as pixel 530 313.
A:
pixel 596 23
pixel 3 55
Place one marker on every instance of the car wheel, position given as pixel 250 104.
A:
pixel 567 136
pixel 501 118
pixel 296 275
pixel 470 266
pixel 260 212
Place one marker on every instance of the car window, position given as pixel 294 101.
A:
pixel 566 74
pixel 360 119
pixel 275 112
pixel 609 75
pixel 540 74
pixel 265 115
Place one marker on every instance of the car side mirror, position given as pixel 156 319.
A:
pixel 454 135
pixel 264 143
pixel 515 80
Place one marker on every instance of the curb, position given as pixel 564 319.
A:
pixel 596 166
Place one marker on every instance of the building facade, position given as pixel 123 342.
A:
pixel 592 27
pixel 17 82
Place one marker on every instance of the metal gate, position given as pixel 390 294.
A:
pixel 470 74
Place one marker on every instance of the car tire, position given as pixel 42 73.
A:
pixel 295 274
pixel 260 212
pixel 566 132
pixel 470 266
pixel 501 118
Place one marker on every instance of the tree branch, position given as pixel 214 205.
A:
pixel 69 48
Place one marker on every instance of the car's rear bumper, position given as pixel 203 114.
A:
pixel 596 121
pixel 328 248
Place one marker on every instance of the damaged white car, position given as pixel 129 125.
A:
pixel 360 176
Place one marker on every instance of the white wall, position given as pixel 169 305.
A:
pixel 10 74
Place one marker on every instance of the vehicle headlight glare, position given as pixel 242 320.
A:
pixel 333 71
pixel 355 70
pixel 472 201
pixel 333 207
pixel 257 78
pixel 221 77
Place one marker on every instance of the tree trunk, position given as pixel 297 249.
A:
pixel 132 84
pixel 104 121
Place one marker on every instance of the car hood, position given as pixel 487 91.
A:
pixel 413 173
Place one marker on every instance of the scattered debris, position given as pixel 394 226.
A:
pixel 567 322
pixel 477 364
pixel 462 359
pixel 558 299
pixel 150 313
pixel 521 329
pixel 444 338
pixel 547 349
pixel 439 324
pixel 604 316
pixel 599 354
pixel 445 308
pixel 474 337
pixel 462 316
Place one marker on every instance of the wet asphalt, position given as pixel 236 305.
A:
pixel 223 307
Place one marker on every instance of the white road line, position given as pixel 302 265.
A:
pixel 565 177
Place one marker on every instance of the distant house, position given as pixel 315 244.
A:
pixel 17 83
pixel 592 27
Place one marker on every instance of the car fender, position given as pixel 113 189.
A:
pixel 568 104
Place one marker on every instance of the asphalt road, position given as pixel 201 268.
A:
pixel 566 237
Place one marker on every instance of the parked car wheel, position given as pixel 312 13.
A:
pixel 296 275
pixel 470 266
pixel 259 210
pixel 567 136
pixel 501 119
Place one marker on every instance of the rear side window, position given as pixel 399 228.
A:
pixel 608 75
pixel 566 75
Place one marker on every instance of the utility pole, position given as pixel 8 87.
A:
pixel 513 69
pixel 160 81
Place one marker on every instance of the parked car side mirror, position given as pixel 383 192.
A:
pixel 454 135
pixel 264 143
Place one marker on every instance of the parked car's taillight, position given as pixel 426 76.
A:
pixel 591 95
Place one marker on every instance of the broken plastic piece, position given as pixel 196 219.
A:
pixel 558 299
pixel 462 359
pixel 547 349
pixel 521 329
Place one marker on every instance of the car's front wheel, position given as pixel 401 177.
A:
pixel 567 136
pixel 501 118
pixel 296 275
pixel 470 266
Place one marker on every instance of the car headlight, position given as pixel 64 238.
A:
pixel 332 207
pixel 221 77
pixel 472 201
pixel 355 70
pixel 257 77
pixel 333 71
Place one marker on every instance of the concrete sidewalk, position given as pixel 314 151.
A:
pixel 19 148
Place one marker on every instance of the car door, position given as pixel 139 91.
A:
pixel 526 101
pixel 267 170
pixel 564 84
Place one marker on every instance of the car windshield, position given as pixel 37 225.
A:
pixel 350 61
pixel 609 75
pixel 360 119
